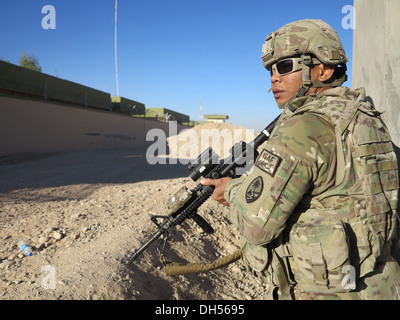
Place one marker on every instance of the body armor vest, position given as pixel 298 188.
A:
pixel 352 224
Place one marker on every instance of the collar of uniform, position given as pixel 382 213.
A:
pixel 352 94
pixel 296 103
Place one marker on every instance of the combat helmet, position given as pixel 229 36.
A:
pixel 314 41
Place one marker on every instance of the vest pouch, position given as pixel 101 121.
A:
pixel 376 199
pixel 320 252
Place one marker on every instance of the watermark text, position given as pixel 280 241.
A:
pixel 49 280
pixel 49 20
pixel 349 20
pixel 189 144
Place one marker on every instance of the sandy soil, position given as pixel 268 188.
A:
pixel 85 212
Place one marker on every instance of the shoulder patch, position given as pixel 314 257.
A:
pixel 254 190
pixel 268 162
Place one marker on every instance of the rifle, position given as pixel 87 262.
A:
pixel 185 202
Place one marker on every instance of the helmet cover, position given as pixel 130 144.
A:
pixel 309 36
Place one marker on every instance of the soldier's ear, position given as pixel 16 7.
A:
pixel 325 72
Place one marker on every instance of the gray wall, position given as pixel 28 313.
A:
pixel 376 57
pixel 376 62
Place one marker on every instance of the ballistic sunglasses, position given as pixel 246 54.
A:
pixel 289 65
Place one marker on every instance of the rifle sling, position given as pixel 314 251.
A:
pixel 173 268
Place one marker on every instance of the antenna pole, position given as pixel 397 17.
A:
pixel 116 65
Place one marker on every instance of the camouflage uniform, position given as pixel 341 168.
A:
pixel 318 211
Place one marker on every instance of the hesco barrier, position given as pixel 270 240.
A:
pixel 127 106
pixel 19 81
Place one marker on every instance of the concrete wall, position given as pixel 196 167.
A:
pixel 376 57
pixel 28 126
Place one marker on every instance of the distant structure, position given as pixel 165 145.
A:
pixel 218 118
pixel 164 114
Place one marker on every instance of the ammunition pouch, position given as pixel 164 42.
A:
pixel 320 253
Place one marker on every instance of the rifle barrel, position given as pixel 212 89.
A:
pixel 145 246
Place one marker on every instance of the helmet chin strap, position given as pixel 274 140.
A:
pixel 307 64
pixel 306 78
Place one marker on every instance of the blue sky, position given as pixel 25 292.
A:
pixel 171 53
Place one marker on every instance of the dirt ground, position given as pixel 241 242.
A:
pixel 85 212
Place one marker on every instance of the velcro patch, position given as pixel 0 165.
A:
pixel 268 162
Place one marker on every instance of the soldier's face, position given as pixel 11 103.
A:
pixel 285 87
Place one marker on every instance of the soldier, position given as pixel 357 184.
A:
pixel 318 211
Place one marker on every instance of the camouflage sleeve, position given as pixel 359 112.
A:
pixel 297 159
